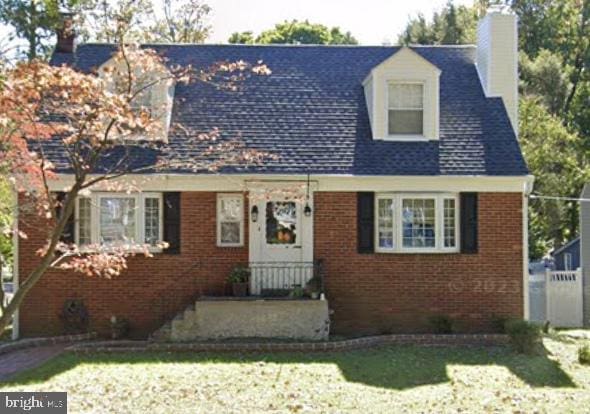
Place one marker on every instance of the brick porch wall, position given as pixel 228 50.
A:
pixel 384 293
pixel 369 293
pixel 149 292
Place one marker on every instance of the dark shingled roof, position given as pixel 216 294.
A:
pixel 311 111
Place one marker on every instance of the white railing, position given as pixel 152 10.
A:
pixel 563 289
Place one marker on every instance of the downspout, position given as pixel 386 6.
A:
pixel 528 188
pixel 15 263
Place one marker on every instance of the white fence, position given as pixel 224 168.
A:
pixel 563 291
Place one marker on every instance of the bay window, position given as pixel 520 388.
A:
pixel 416 223
pixel 119 219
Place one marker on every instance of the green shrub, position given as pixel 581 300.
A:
pixel 584 354
pixel 441 324
pixel 524 336
pixel 239 274
pixel 499 323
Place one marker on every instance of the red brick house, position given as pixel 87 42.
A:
pixel 412 190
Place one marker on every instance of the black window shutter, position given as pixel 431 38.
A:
pixel 67 235
pixel 469 223
pixel 366 222
pixel 172 222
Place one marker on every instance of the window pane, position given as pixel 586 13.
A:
pixel 152 221
pixel 418 219
pixel 230 232
pixel 405 96
pixel 449 223
pixel 231 209
pixel 405 122
pixel 117 220
pixel 281 221
pixel 385 220
pixel 84 211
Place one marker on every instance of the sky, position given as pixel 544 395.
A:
pixel 372 22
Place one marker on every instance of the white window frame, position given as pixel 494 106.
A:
pixel 230 196
pixel 568 261
pixel 404 137
pixel 398 223
pixel 140 198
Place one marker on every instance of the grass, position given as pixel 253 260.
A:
pixel 389 379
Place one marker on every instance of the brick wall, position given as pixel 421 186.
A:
pixel 151 291
pixel 384 292
pixel 369 293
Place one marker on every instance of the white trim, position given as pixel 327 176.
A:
pixel 140 198
pixel 234 196
pixel 398 224
pixel 343 182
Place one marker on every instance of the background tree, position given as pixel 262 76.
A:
pixel 35 22
pixel 450 26
pixel 297 32
pixel 184 21
pixel 172 21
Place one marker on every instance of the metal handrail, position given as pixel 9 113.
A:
pixel 274 279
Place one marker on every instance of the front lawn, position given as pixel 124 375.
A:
pixel 390 379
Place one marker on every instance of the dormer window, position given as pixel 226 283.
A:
pixel 152 93
pixel 402 97
pixel 405 115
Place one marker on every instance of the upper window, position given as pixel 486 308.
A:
pixel 119 219
pixel 416 223
pixel 405 115
pixel 230 220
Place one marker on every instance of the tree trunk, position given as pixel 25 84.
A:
pixel 46 259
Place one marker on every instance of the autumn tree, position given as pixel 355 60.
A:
pixel 90 119
pixel 297 32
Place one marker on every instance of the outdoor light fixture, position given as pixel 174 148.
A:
pixel 307 208
pixel 254 214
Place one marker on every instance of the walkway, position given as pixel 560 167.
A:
pixel 20 360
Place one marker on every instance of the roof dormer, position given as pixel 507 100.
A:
pixel 152 91
pixel 402 95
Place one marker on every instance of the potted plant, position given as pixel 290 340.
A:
pixel 314 287
pixel 239 280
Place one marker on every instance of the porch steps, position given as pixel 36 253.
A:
pixel 180 322
pixel 223 319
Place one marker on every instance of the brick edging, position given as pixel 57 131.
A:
pixel 343 345
pixel 35 342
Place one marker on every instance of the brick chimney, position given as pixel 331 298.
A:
pixel 497 58
pixel 65 34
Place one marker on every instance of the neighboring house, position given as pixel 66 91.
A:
pixel 585 250
pixel 417 189
pixel 567 257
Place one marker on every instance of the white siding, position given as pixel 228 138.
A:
pixel 497 59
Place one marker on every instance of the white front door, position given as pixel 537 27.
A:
pixel 281 241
